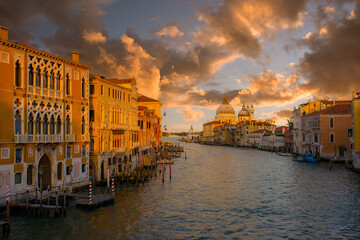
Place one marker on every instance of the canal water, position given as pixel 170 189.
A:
pixel 219 192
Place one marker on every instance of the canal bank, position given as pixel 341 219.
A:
pixel 218 193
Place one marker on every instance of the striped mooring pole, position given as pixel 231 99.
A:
pixel 113 184
pixel 90 190
pixel 7 194
pixel 8 206
pixel 108 179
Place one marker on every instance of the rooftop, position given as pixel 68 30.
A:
pixel 343 109
pixel 142 98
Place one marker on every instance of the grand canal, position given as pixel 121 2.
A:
pixel 219 193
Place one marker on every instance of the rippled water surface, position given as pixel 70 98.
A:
pixel 219 193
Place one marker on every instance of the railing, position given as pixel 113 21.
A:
pixel 44 92
pixel 104 125
pixel 85 137
pixel 37 138
pixel 70 138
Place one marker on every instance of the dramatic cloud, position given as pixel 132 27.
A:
pixel 268 88
pixel 93 37
pixel 240 24
pixel 332 66
pixel 171 31
pixel 192 115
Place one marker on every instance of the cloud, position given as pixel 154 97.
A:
pixel 137 63
pixel 292 64
pixel 268 88
pixel 329 9
pixel 192 115
pixel 93 37
pixel 332 64
pixel 170 31
pixel 240 25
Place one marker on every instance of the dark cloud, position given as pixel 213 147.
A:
pixel 332 66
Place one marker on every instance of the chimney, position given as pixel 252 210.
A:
pixel 75 56
pixel 3 33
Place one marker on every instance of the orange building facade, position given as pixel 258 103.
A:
pixel 114 130
pixel 44 118
pixel 325 133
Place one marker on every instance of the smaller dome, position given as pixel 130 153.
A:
pixel 243 112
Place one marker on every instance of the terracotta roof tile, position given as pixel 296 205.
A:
pixel 119 81
pixel 342 109
pixel 142 98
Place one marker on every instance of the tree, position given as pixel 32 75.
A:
pixel 290 124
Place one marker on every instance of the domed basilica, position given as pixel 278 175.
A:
pixel 226 113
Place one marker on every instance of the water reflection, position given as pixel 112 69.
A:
pixel 219 193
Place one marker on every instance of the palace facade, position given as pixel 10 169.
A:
pixel 44 118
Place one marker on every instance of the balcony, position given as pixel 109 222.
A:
pixel 85 137
pixel 44 92
pixel 36 138
pixel 118 126
pixel 70 138
pixel 104 125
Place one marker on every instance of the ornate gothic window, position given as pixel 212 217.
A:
pixel 68 124
pixel 38 77
pixel 83 87
pixel 52 80
pixel 38 125
pixel 17 123
pixel 17 74
pixel 58 81
pixel 45 125
pixel 52 125
pixel 31 75
pixel 31 124
pixel 58 125
pixel 46 79
pixel 67 83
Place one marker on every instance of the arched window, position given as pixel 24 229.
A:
pixel 31 75
pixel 46 79
pixel 17 123
pixel 68 125
pixel 38 125
pixel 31 124
pixel 83 87
pixel 45 124
pixel 58 81
pixel 58 125
pixel 18 178
pixel 52 125
pixel 83 125
pixel 17 74
pixel 52 80
pixel 67 83
pixel 38 77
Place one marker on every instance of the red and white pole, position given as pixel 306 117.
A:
pixel 7 194
pixel 113 185
pixel 90 191
pixel 108 178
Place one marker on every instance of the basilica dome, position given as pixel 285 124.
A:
pixel 225 112
pixel 243 112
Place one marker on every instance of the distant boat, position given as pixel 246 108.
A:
pixel 285 154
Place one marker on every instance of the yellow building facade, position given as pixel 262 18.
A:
pixel 44 118
pixel 114 130
pixel 355 139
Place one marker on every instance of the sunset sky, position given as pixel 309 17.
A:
pixel 273 54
